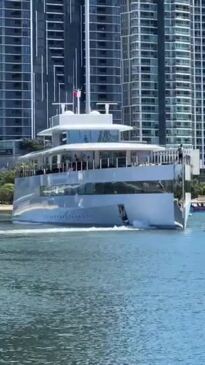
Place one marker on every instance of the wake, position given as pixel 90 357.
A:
pixel 36 231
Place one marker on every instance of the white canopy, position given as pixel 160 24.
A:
pixel 92 147
pixel 81 127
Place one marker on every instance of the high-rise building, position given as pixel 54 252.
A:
pixel 178 71
pixel 198 63
pixel 140 68
pixel 105 52
pixel 59 55
pixel 163 71
pixel 50 54
pixel 42 60
pixel 157 70
pixel 32 65
pixel 15 69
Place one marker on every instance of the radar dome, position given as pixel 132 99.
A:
pixel 95 112
pixel 68 112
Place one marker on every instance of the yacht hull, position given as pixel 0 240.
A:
pixel 105 197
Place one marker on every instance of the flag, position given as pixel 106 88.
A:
pixel 77 93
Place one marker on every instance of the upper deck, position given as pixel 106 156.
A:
pixel 69 128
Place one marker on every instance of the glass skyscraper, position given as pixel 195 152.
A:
pixel 42 60
pixel 105 52
pixel 50 53
pixel 140 68
pixel 15 70
pixel 163 71
pixel 32 65
pixel 198 63
pixel 178 71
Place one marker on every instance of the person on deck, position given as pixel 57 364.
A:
pixel 180 153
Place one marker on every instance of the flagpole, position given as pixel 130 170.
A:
pixel 78 101
pixel 78 105
pixel 87 53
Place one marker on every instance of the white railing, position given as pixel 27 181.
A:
pixel 166 157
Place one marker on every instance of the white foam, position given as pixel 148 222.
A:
pixel 35 231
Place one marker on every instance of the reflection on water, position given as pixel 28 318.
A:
pixel 102 297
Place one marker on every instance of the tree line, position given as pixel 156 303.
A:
pixel 7 186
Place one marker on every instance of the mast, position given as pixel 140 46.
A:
pixel 87 53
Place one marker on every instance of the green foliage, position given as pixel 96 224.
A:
pixel 7 177
pixel 30 145
pixel 197 188
pixel 7 193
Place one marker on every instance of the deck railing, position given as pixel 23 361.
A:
pixel 155 158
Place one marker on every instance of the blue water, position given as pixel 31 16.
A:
pixel 99 297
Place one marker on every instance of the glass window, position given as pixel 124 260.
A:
pixel 121 187
pixel 92 136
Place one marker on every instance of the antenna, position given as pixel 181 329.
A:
pixel 107 106
pixel 87 53
pixel 62 105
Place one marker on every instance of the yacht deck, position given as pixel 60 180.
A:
pixel 32 167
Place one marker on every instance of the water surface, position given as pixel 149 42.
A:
pixel 99 297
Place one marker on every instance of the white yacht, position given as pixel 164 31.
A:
pixel 92 177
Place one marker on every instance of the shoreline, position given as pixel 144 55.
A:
pixel 6 208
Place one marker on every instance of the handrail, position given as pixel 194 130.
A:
pixel 155 158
